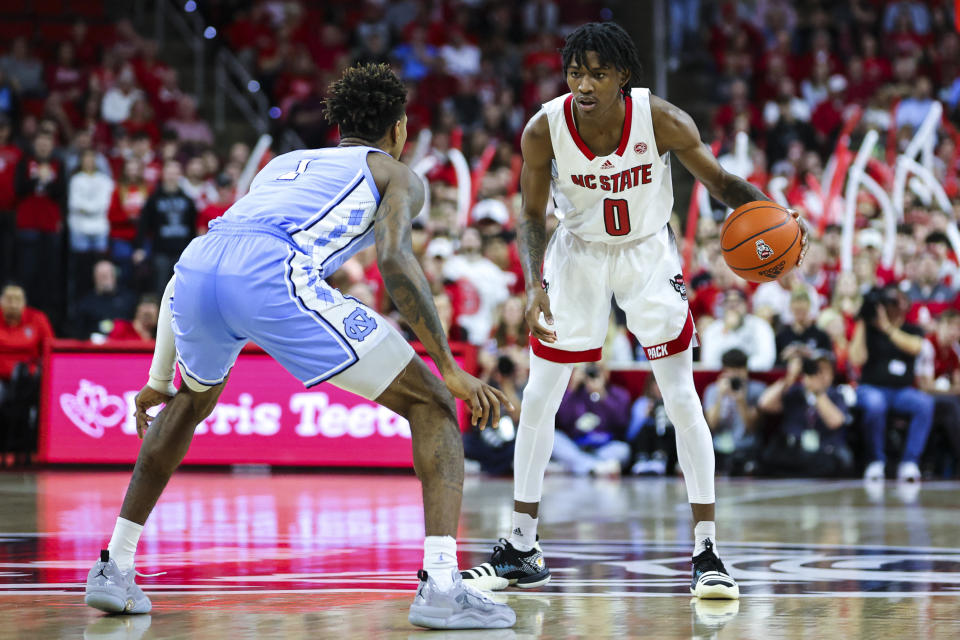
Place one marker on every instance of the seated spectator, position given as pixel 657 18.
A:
pixel 912 111
pixel 483 285
pixel 88 204
pixel 493 448
pixel 939 376
pixel 737 329
pixel 187 124
pixel 96 311
pixel 886 348
pixel 801 337
pixel 23 69
pixel 925 289
pixel 168 222
pixel 23 333
pixel 592 424
pixel 196 185
pixel 730 407
pixel 651 435
pixel 118 99
pixel 129 196
pixel 811 440
pixel 143 327
pixel 771 300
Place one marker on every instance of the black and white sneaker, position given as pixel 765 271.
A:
pixel 710 577
pixel 509 567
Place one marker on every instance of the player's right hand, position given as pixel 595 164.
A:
pixel 484 401
pixel 147 398
pixel 538 302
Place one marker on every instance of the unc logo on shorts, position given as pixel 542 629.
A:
pixel 358 325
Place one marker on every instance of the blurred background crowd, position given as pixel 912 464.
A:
pixel 108 170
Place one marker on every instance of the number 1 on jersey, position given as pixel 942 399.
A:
pixel 616 217
pixel 293 175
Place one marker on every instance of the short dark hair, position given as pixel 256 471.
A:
pixel 937 237
pixel 366 101
pixel 734 359
pixel 613 45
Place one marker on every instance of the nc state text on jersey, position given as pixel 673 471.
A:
pixel 617 182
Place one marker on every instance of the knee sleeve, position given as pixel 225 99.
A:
pixel 534 443
pixel 674 376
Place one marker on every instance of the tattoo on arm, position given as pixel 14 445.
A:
pixel 738 192
pixel 532 236
pixel 402 275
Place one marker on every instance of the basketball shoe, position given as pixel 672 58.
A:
pixel 510 567
pixel 458 607
pixel 112 590
pixel 710 577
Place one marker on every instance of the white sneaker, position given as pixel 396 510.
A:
pixel 875 471
pixel 908 472
pixel 458 607
pixel 112 590
pixel 606 469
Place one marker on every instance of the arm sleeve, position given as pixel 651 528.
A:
pixel 163 367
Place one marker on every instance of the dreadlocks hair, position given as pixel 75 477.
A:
pixel 366 101
pixel 613 45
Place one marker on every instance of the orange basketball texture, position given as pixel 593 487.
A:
pixel 760 241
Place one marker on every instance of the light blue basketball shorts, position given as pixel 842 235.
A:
pixel 245 282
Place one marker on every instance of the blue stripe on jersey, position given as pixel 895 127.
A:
pixel 338 199
pixel 325 199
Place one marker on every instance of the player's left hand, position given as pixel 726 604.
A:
pixel 484 401
pixel 147 398
pixel 804 236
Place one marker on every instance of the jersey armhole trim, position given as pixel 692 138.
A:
pixel 369 174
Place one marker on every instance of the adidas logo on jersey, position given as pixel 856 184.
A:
pixel 606 165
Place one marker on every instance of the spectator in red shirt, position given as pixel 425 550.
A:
pixel 226 196
pixel 65 76
pixel 129 196
pixel 41 187
pixel 143 327
pixel 23 332
pixel 142 121
pixel 827 117
pixel 10 155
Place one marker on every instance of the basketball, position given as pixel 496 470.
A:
pixel 760 241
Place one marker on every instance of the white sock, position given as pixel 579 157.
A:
pixel 439 559
pixel 524 534
pixel 123 544
pixel 705 529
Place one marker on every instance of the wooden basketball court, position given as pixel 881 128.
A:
pixel 334 556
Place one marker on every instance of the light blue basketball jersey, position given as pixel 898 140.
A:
pixel 324 199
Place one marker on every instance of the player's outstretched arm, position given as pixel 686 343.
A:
pixel 676 131
pixel 408 287
pixel 531 227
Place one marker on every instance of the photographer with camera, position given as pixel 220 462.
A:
pixel 730 407
pixel 811 440
pixel 885 348
pixel 592 424
pixel 493 448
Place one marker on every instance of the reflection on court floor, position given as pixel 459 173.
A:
pixel 239 549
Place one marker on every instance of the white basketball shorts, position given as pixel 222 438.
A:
pixel 646 279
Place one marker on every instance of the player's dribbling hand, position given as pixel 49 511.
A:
pixel 484 401
pixel 538 302
pixel 804 236
pixel 147 398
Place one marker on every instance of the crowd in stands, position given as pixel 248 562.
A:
pixel 107 172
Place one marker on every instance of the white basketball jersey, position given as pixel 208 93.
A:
pixel 616 198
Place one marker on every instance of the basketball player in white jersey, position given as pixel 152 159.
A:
pixel 604 150
pixel 258 275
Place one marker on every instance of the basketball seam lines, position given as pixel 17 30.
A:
pixel 759 233
pixel 729 221
pixel 769 263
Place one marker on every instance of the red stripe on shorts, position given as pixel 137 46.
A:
pixel 564 357
pixel 678 345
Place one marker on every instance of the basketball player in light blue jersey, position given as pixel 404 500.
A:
pixel 259 275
